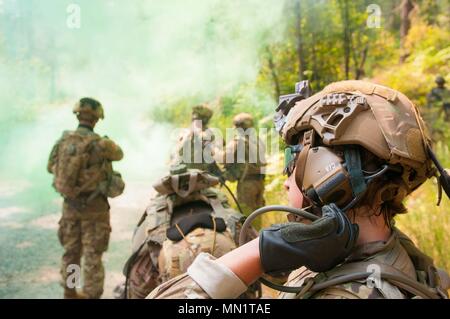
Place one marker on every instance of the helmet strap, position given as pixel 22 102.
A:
pixel 444 178
pixel 353 162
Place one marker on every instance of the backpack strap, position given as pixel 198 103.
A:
pixel 357 271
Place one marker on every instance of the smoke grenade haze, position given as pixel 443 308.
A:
pixel 133 56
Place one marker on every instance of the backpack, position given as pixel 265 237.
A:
pixel 71 158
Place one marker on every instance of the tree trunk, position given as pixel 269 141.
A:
pixel 360 66
pixel 299 36
pixel 346 35
pixel 406 8
pixel 274 75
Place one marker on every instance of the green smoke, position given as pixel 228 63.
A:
pixel 131 56
pixel 134 57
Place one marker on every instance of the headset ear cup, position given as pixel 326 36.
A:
pixel 300 166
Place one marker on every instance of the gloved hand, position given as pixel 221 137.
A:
pixel 319 246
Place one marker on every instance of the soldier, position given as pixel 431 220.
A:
pixel 186 217
pixel 354 184
pixel 439 98
pixel 245 162
pixel 196 147
pixel 81 162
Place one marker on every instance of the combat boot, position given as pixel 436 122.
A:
pixel 73 294
pixel 70 294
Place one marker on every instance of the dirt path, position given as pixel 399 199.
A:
pixel 29 248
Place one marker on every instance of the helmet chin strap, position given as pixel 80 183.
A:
pixel 444 178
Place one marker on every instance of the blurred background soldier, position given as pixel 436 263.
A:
pixel 186 217
pixel 438 101
pixel 81 164
pixel 244 163
pixel 196 148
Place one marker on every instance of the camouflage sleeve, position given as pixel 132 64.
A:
pixel 52 157
pixel 231 169
pixel 111 150
pixel 181 287
pixel 352 290
pixel 205 279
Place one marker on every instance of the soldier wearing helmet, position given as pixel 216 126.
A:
pixel 81 162
pixel 244 163
pixel 350 184
pixel 185 217
pixel 202 113
pixel 438 101
pixel 196 147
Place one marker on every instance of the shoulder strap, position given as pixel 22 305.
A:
pixel 360 271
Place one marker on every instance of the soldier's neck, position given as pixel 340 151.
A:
pixel 86 126
pixel 372 228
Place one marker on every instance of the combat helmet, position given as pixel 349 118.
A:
pixel 202 112
pixel 346 125
pixel 183 181
pixel 439 80
pixel 243 120
pixel 90 106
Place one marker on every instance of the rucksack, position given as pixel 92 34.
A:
pixel 72 157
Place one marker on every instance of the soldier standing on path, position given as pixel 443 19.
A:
pixel 244 163
pixel 196 148
pixel 81 162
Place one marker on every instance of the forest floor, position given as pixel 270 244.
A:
pixel 30 251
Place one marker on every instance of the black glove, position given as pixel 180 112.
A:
pixel 319 246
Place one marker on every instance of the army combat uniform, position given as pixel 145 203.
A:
pixel 438 105
pixel 244 163
pixel 158 257
pixel 439 98
pixel 84 227
pixel 197 147
pixel 207 279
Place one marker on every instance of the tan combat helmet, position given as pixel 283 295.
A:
pixel 202 112
pixel 89 106
pixel 346 119
pixel 243 120
pixel 183 181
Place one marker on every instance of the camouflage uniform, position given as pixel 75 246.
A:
pixel 398 252
pixel 156 258
pixel 84 227
pixel 246 154
pixel 195 143
pixel 438 102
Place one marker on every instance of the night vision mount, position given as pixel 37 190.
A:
pixel 287 102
